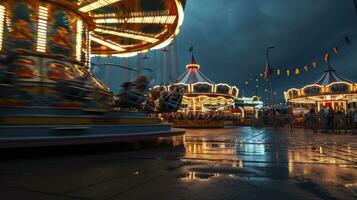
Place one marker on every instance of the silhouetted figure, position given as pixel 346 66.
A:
pixel 133 93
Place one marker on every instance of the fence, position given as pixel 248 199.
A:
pixel 333 123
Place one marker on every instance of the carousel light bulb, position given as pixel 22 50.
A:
pixel 97 4
pixel 2 19
pixel 134 35
pixel 107 43
pixel 42 29
pixel 79 39
pixel 160 19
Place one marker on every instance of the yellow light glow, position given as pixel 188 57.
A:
pixel 97 4
pixel 107 43
pixel 128 34
pixel 42 29
pixel 79 39
pixel 2 19
pixel 163 19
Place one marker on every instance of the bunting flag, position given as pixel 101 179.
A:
pixel 314 64
pixel 335 50
pixel 326 57
pixel 306 68
pixel 347 39
pixel 297 71
pixel 267 72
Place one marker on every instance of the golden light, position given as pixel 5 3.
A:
pixel 97 4
pixel 42 29
pixel 79 39
pixel 2 20
pixel 128 34
pixel 107 43
pixel 158 19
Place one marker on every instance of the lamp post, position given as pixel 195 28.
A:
pixel 270 76
pixel 271 84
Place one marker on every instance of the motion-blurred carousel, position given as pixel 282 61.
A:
pixel 47 92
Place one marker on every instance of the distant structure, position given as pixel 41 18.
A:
pixel 201 93
pixel 248 107
pixel 329 90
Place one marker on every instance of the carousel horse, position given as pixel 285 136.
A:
pixel 76 89
pixel 132 93
pixel 7 74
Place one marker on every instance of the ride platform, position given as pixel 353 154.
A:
pixel 198 124
pixel 29 127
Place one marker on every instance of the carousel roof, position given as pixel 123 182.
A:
pixel 329 77
pixel 193 74
pixel 119 27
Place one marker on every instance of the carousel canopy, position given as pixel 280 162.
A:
pixel 329 87
pixel 193 74
pixel 330 77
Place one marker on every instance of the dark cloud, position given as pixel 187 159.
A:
pixel 230 37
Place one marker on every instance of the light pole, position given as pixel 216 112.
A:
pixel 269 75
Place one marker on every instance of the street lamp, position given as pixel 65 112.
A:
pixel 269 73
pixel 269 76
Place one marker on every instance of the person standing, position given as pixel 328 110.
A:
pixel 324 113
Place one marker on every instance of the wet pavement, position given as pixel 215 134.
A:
pixel 231 163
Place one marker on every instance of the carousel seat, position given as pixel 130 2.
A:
pixel 73 90
pixel 132 94
pixel 130 98
pixel 171 102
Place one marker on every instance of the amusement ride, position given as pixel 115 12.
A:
pixel 330 90
pixel 48 96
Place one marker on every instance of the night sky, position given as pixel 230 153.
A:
pixel 230 38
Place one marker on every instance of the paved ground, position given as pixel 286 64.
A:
pixel 236 163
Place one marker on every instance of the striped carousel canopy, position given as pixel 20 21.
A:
pixel 329 77
pixel 193 74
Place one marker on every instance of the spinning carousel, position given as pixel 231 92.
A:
pixel 45 51
pixel 330 90
pixel 201 94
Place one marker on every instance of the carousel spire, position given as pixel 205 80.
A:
pixel 193 60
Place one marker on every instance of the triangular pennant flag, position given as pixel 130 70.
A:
pixel 326 57
pixel 335 50
pixel 347 39
pixel 278 72
pixel 314 64
pixel 297 71
pixel 288 72
pixel 306 68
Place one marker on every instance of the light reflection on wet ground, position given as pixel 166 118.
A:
pixel 232 163
pixel 324 165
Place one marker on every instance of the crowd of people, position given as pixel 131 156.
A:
pixel 330 119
